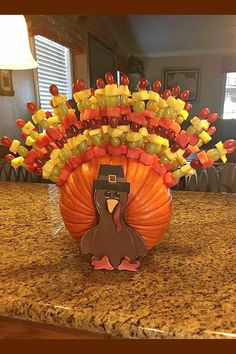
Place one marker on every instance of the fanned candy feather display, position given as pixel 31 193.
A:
pixel 140 131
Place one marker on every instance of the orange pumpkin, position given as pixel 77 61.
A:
pixel 148 208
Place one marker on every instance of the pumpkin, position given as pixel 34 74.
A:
pixel 148 208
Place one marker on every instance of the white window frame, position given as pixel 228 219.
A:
pixel 224 97
pixel 69 76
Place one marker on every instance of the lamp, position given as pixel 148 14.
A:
pixel 15 53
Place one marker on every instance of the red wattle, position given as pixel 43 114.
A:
pixel 117 217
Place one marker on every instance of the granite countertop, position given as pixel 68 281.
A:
pixel 185 287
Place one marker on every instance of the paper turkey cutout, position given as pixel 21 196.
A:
pixel 112 242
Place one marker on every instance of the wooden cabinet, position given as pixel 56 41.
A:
pixel 18 329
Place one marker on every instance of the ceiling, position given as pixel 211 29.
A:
pixel 167 35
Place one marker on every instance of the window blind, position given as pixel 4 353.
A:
pixel 230 96
pixel 54 68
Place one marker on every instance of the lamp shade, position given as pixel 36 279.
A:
pixel 15 53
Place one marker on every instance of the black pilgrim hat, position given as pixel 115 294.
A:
pixel 111 177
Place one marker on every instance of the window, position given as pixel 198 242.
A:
pixel 230 96
pixel 54 68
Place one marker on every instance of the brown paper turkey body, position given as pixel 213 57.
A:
pixel 112 242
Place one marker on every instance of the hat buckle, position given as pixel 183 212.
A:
pixel 112 178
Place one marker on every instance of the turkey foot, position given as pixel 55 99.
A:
pixel 126 264
pixel 102 263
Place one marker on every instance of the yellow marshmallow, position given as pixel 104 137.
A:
pixel 180 158
pixel 29 141
pixel 111 90
pixel 115 132
pixel 221 148
pixel 156 139
pixel 184 114
pixel 200 143
pixel 223 158
pixel 140 95
pixel 153 96
pixel 59 99
pixel 70 144
pixel 133 136
pixel 179 105
pixel 55 154
pixel 205 124
pixel 171 155
pixel 38 116
pixel 94 132
pixel 17 161
pixel 171 101
pixel 105 129
pixel 185 169
pixel 124 90
pixel 177 174
pixel 179 120
pixel 162 103
pixel 27 128
pixel 56 110
pixel 99 92
pixel 47 168
pixel 190 172
pixel 93 100
pixel 14 146
pixel 79 138
pixel 53 120
pixel 205 137
pixel 80 95
pixel 124 128
pixel 143 131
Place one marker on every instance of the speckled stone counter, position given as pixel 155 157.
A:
pixel 185 288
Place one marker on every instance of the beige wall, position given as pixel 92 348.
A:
pixel 14 107
pixel 212 80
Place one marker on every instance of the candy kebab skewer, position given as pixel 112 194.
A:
pixel 17 149
pixel 125 109
pixel 113 111
pixel 124 90
pixel 102 103
pixel 186 144
pixel 41 143
pixel 100 93
pixel 118 112
pixel 204 159
pixel 58 103
pixel 110 109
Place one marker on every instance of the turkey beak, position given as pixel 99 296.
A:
pixel 111 203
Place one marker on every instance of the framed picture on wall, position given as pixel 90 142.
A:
pixel 101 59
pixel 6 86
pixel 188 78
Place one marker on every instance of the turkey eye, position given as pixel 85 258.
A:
pixel 117 195
pixel 107 194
